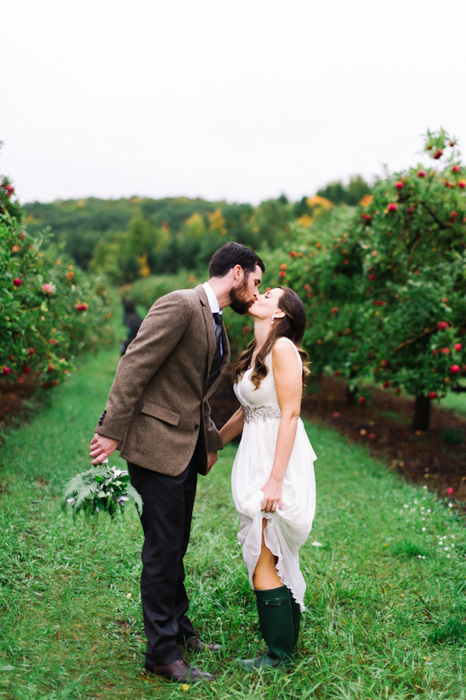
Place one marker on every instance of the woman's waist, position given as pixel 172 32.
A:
pixel 254 414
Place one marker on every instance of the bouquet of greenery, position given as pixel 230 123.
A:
pixel 100 489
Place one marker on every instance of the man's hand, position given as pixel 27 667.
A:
pixel 101 448
pixel 211 459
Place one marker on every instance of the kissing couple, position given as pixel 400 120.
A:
pixel 158 416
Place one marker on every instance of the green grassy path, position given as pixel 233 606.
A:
pixel 386 606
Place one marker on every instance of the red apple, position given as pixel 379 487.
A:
pixel 372 276
pixel 455 369
pixel 438 153
pixel 362 400
pixel 282 274
pixel 453 216
pixel 283 267
pixel 6 370
pixel 442 325
pixel 456 169
pixel 292 254
pixel 392 207
pixel 462 184
pixel 432 394
pixel 458 346
pixel 399 185
pixel 17 282
pixel 421 173
pixel 446 351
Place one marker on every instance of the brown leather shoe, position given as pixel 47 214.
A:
pixel 197 645
pixel 181 671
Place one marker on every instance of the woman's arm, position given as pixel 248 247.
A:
pixel 287 373
pixel 233 426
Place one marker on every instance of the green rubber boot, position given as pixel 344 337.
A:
pixel 276 623
pixel 296 615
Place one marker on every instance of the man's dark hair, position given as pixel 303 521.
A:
pixel 232 254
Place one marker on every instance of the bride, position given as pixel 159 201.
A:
pixel 273 474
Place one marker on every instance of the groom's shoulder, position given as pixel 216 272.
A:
pixel 183 297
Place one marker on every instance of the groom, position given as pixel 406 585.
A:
pixel 158 416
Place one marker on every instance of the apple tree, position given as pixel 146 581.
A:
pixel 387 301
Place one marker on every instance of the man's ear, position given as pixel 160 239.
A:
pixel 238 272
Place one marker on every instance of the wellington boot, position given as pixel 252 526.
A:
pixel 264 661
pixel 276 623
pixel 296 614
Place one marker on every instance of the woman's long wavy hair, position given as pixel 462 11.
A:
pixel 291 326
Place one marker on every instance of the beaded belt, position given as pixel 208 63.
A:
pixel 254 415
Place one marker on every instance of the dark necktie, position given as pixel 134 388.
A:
pixel 217 361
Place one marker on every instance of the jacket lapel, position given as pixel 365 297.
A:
pixel 225 361
pixel 209 329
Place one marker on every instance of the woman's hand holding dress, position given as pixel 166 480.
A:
pixel 272 491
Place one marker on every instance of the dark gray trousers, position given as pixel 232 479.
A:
pixel 166 521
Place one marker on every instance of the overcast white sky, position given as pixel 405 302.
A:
pixel 224 99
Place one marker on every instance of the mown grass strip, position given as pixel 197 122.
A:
pixel 386 607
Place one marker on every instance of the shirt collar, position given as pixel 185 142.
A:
pixel 212 299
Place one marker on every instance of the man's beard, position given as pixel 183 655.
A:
pixel 239 301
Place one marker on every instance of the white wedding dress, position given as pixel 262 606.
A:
pixel 288 527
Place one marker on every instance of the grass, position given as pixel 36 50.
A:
pixel 386 606
pixel 455 402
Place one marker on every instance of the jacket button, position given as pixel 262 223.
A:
pixel 196 427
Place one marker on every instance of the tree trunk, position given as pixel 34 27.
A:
pixel 421 420
pixel 351 395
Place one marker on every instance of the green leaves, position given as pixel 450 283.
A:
pixel 100 489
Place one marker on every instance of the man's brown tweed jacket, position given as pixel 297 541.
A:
pixel 158 404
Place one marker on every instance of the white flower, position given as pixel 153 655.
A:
pixel 423 529
pixel 71 501
pixel 118 472
pixel 316 544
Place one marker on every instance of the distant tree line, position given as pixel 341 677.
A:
pixel 129 239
